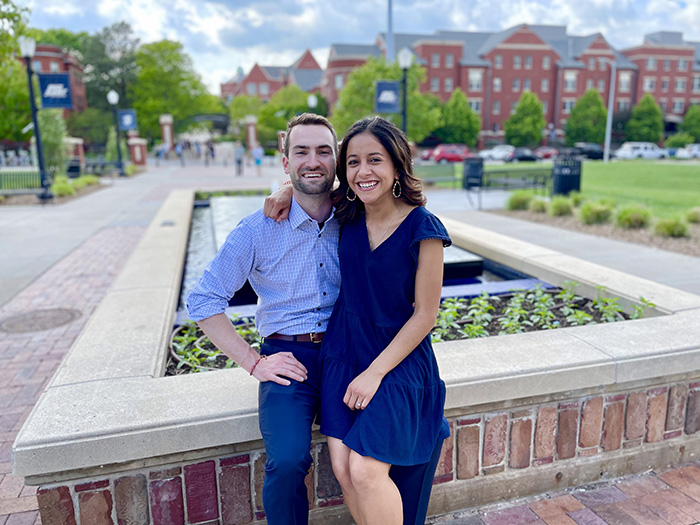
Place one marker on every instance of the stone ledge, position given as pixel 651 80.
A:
pixel 104 405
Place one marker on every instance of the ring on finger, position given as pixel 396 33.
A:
pixel 358 405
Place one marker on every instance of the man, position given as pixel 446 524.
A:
pixel 293 267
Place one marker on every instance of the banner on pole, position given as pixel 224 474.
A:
pixel 386 97
pixel 127 119
pixel 55 91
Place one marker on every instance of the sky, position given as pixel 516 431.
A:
pixel 223 35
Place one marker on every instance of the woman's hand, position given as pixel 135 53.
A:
pixel 278 204
pixel 362 389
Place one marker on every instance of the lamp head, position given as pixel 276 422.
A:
pixel 27 46
pixel 113 97
pixel 405 58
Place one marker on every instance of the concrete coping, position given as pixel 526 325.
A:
pixel 108 403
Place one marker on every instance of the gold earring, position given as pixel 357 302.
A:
pixel 347 195
pixel 394 189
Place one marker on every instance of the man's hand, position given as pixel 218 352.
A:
pixel 277 367
pixel 278 204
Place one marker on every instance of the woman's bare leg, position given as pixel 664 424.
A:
pixel 378 499
pixel 340 455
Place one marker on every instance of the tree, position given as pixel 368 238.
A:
pixel 587 120
pixel 691 122
pixel 12 23
pixel 53 131
pixel 459 124
pixel 14 100
pixel 111 153
pixel 524 127
pixel 678 140
pixel 92 125
pixel 69 42
pixel 356 99
pixel 647 121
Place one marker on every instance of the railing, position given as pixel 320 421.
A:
pixel 433 173
pixel 20 182
pixel 102 167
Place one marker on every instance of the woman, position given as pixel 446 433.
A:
pixel 382 398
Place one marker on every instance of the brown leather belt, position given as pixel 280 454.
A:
pixel 313 337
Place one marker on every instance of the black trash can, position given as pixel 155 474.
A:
pixel 473 175
pixel 73 168
pixel 566 176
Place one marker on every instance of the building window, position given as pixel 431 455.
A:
pixel 339 82
pixel 251 88
pixel 498 61
pixel 649 84
pixel 475 79
pixel 527 86
pixel 680 85
pixel 496 107
pixel 589 84
pixel 528 61
pixel 623 105
pixel 662 105
pixel 664 85
pixel 696 84
pixel 591 64
pixel 625 81
pixel 516 84
pixel 36 66
pixel 475 105
pixel 601 85
pixel 678 105
pixel 53 67
pixel 544 85
pixel 651 64
pixel 682 64
pixel 570 81
pixel 517 62
pixel 568 105
pixel 667 65
pixel 449 60
pixel 434 85
pixel 546 62
pixel 436 60
pixel 514 106
pixel 264 88
pixel 449 85
pixel 497 84
pixel 544 107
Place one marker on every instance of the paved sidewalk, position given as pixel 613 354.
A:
pixel 65 257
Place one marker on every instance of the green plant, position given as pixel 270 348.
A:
pixel 577 317
pixel 62 189
pixel 472 331
pixel 567 294
pixel 609 307
pixel 679 140
pixel 538 206
pixel 639 309
pixel 633 216
pixel 672 227
pixel 576 199
pixel 519 200
pixel 693 215
pixel 595 212
pixel 560 206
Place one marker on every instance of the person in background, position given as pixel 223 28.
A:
pixel 239 154
pixel 258 154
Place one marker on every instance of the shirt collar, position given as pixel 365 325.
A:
pixel 297 215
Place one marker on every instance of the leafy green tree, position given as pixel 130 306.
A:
pixel 92 125
pixel 111 153
pixel 691 122
pixel 356 99
pixel 647 121
pixel 244 105
pixel 67 40
pixel 524 127
pixel 14 100
pixel 12 24
pixel 53 131
pixel 587 120
pixel 678 140
pixel 459 124
pixel 283 105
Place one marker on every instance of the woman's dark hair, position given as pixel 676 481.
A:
pixel 394 142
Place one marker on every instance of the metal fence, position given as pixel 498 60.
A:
pixel 19 182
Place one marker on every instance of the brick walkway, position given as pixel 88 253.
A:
pixel 29 360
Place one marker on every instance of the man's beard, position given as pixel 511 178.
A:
pixel 311 187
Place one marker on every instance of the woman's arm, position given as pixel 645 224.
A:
pixel 278 204
pixel 428 290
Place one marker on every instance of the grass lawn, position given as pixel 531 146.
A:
pixel 667 189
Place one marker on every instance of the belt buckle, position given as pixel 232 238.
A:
pixel 311 337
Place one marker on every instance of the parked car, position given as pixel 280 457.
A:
pixel 520 155
pixel 445 153
pixel 590 150
pixel 691 151
pixel 499 152
pixel 426 153
pixel 546 152
pixel 641 150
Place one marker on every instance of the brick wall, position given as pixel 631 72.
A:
pixel 483 446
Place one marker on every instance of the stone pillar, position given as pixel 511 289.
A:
pixel 251 131
pixel 166 129
pixel 137 150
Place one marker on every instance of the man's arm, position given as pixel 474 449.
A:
pixel 223 334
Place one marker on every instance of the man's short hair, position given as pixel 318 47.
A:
pixel 309 119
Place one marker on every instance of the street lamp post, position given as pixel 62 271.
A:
pixel 113 99
pixel 27 48
pixel 405 58
pixel 611 103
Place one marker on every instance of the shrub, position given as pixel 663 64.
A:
pixel 693 216
pixel 595 212
pixel 560 206
pixel 576 199
pixel 519 200
pixel 633 216
pixel 79 184
pixel 679 140
pixel 671 227
pixel 62 189
pixel 538 206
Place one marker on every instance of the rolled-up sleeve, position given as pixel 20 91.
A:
pixel 224 275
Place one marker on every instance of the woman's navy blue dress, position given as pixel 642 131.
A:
pixel 404 420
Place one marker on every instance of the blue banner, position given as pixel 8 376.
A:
pixel 127 119
pixel 386 97
pixel 55 91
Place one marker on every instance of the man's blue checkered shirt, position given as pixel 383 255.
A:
pixel 292 266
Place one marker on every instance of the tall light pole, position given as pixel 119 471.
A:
pixel 611 103
pixel 113 99
pixel 27 48
pixel 405 58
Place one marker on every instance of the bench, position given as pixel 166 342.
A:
pixel 100 167
pixel 20 183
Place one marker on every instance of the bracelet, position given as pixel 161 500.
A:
pixel 260 358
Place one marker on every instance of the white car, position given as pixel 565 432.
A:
pixel 499 152
pixel 691 151
pixel 641 150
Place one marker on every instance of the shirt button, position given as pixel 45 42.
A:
pixel 321 265
pixel 318 308
pixel 319 324
pixel 319 235
pixel 324 293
